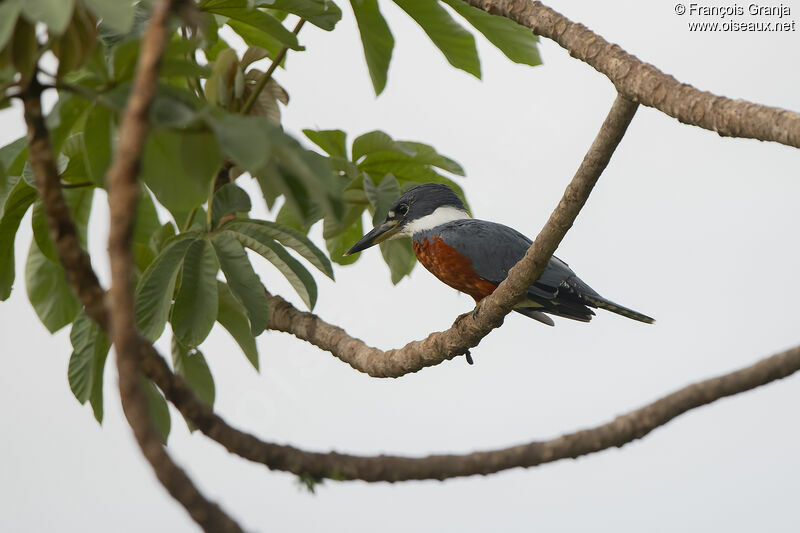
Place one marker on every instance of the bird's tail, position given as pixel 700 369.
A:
pixel 608 305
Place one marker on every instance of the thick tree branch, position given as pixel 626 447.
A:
pixel 123 196
pixel 469 329
pixel 644 83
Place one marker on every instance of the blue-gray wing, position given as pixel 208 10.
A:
pixel 494 249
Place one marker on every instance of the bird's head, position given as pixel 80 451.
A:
pixel 421 208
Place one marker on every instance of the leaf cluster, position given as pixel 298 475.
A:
pixel 216 119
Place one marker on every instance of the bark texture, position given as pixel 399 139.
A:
pixel 644 83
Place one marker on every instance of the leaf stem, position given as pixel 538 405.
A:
pixel 262 82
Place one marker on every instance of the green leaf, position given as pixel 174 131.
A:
pixel 178 166
pixel 97 149
pixel 376 39
pixel 426 154
pixel 9 11
pixel 195 308
pixel 400 258
pixel 146 226
pixel 13 157
pixel 219 88
pixel 48 290
pixel 517 42
pixel 79 202
pixel 266 230
pixel 310 171
pixel 233 317
pixel 190 363
pixel 116 14
pixel 242 138
pixel 17 203
pixel 255 37
pixel 381 197
pixel 242 279
pixel 321 13
pixel 229 199
pixel 343 241
pixel 85 372
pixel 41 233
pixel 456 43
pixel 160 237
pixel 260 20
pixel 65 114
pixel 159 411
pixel 55 14
pixel 294 272
pixel 156 286
pixel 23 49
pixel 378 141
pixel 332 142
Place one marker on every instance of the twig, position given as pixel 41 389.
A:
pixel 262 81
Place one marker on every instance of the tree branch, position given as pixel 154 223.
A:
pixel 623 429
pixel 620 431
pixel 123 196
pixel 644 83
pixel 469 329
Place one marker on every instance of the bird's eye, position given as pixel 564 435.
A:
pixel 402 209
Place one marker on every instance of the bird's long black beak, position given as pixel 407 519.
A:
pixel 379 233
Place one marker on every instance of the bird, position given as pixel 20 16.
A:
pixel 474 256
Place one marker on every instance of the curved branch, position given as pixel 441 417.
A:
pixel 644 83
pixel 123 196
pixel 622 430
pixel 471 328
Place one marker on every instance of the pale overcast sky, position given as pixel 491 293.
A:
pixel 695 230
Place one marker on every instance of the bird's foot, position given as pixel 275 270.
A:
pixel 468 355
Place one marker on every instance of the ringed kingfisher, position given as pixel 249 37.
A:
pixel 474 256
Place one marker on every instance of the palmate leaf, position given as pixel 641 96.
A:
pixel 229 199
pixel 9 11
pixel 343 241
pixel 381 196
pixel 55 14
pixel 145 228
pixel 13 209
pixel 294 272
pixel 518 43
pixel 157 284
pixel 195 309
pixel 97 148
pixel 380 142
pixel 245 139
pixel 332 142
pixel 85 372
pixel 321 13
pixel 456 43
pixel 191 364
pixel 178 167
pixel 400 258
pixel 48 290
pixel 116 14
pixel 238 10
pixel 377 40
pixel 242 279
pixel 265 230
pixel 159 411
pixel 232 315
